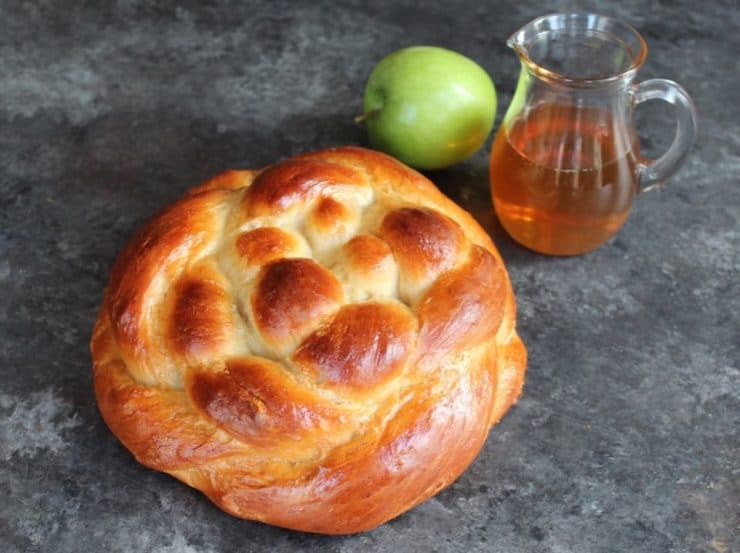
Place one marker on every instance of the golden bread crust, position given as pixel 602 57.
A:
pixel 319 345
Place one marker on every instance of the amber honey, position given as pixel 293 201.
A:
pixel 563 178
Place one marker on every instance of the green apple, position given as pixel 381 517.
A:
pixel 428 106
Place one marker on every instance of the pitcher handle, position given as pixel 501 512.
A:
pixel 653 173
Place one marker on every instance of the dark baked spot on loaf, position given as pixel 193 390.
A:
pixel 292 294
pixel 366 253
pixel 423 241
pixel 264 244
pixel 254 401
pixel 200 317
pixel 329 215
pixel 363 345
pixel 284 185
pixel 156 250
pixel 464 307
pixel 158 424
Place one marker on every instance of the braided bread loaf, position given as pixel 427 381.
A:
pixel 320 345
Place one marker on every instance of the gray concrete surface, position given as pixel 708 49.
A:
pixel 626 438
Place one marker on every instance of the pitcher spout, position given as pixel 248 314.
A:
pixel 518 39
pixel 521 40
pixel 579 49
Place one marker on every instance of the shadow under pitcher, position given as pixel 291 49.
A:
pixel 565 163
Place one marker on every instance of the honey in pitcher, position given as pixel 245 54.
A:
pixel 563 178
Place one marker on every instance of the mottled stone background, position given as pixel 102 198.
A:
pixel 626 439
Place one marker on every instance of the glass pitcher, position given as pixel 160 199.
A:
pixel 565 163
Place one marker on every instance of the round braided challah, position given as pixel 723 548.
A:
pixel 320 345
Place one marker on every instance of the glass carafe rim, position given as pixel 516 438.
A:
pixel 555 21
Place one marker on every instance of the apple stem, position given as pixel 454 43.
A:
pixel 361 118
